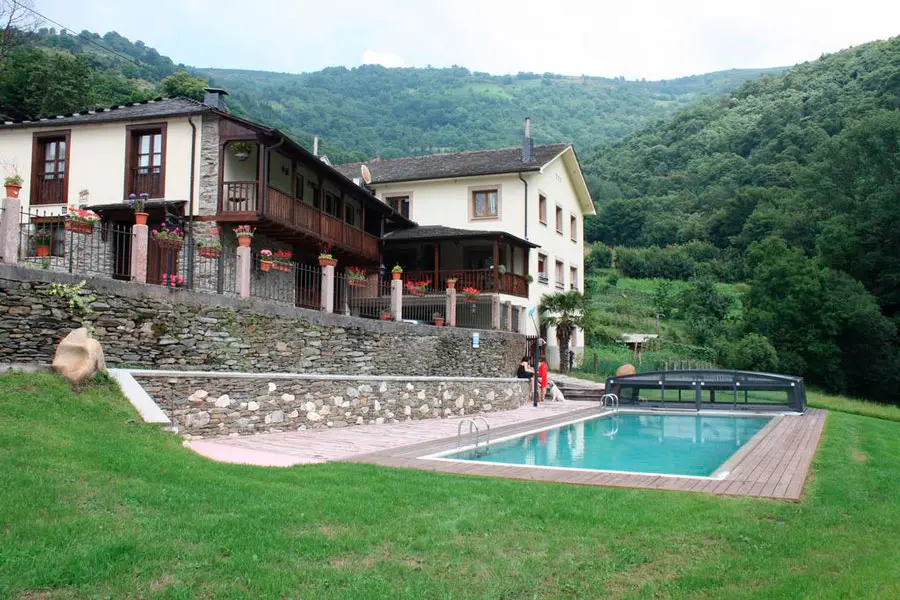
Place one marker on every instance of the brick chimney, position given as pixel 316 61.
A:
pixel 214 98
pixel 527 143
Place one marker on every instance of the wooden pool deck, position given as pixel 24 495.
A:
pixel 773 464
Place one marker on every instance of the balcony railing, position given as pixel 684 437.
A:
pixel 144 181
pixel 242 196
pixel 50 189
pixel 481 279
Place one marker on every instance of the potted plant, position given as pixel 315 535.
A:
pixel 417 288
pixel 470 294
pixel 241 150
pixel 42 237
pixel 283 260
pixel 451 283
pixel 529 279
pixel 209 248
pixel 168 236
pixel 326 259
pixel 81 220
pixel 502 269
pixel 265 260
pixel 172 281
pixel 438 319
pixel 385 315
pixel 356 276
pixel 397 272
pixel 13 184
pixel 138 205
pixel 244 235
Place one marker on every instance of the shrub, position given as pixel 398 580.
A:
pixel 753 352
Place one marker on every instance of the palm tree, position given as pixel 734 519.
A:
pixel 567 311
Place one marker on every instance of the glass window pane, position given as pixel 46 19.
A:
pixel 62 150
pixel 61 167
pixel 479 205
pixel 492 203
pixel 144 144
pixel 143 160
pixel 49 167
pixel 157 160
pixel 157 142
pixel 50 151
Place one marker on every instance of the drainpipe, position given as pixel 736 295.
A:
pixel 191 201
pixel 523 180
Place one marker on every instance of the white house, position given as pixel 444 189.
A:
pixel 528 203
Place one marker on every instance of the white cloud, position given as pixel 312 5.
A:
pixel 385 59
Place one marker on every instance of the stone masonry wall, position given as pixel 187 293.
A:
pixel 231 406
pixel 150 327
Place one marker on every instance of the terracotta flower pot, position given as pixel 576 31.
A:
pixel 265 265
pixel 451 285
pixel 327 262
pixel 385 317
pixel 396 275
pixel 170 244
pixel 356 282
pixel 140 218
pixel 244 240
pixel 82 227
pixel 439 322
pixel 12 190
pixel 209 252
pixel 42 250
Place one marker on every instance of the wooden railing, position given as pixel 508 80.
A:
pixel 49 191
pixel 241 196
pixel 145 181
pixel 481 279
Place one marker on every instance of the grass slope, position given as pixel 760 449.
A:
pixel 94 503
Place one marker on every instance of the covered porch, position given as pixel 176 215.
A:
pixel 493 262
pixel 292 196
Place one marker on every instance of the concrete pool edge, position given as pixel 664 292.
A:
pixel 775 467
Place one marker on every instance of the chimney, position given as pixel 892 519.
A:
pixel 527 143
pixel 315 145
pixel 214 98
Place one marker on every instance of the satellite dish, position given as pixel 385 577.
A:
pixel 366 174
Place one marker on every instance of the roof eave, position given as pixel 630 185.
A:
pixel 579 183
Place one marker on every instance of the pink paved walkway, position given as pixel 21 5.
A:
pixel 323 445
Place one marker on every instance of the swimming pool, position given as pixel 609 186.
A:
pixel 665 444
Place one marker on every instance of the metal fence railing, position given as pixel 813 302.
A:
pixel 423 303
pixel 369 298
pixel 273 281
pixel 473 313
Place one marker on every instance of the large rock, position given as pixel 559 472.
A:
pixel 78 356
pixel 626 369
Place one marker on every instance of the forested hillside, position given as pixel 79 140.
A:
pixel 791 183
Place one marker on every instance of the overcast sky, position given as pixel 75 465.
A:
pixel 633 38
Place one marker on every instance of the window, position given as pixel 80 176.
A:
pixel 573 278
pixel 573 225
pixel 542 209
pixel 48 232
pixel 560 274
pixel 145 166
pixel 50 155
pixel 400 204
pixel 485 204
pixel 332 205
pixel 559 220
pixel 542 268
pixel 298 186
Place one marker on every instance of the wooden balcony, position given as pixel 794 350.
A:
pixel 240 201
pixel 49 189
pixel 485 281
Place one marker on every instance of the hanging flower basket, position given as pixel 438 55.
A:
pixel 470 294
pixel 82 227
pixel 170 243
pixel 356 282
pixel 417 288
pixel 265 265
pixel 209 252
pixel 356 276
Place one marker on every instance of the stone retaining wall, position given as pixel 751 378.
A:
pixel 203 406
pixel 146 326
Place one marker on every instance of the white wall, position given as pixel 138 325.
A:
pixel 97 160
pixel 446 202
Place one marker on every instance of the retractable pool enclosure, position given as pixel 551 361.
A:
pixel 711 389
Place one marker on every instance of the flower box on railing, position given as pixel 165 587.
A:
pixel 212 253
pixel 80 220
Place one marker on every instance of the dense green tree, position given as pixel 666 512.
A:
pixel 752 352
pixel 184 85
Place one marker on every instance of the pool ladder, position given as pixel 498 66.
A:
pixel 481 432
pixel 610 401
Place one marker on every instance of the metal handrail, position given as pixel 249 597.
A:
pixel 473 425
pixel 611 399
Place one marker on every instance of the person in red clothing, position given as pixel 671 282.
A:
pixel 542 375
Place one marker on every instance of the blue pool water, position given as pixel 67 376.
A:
pixel 643 443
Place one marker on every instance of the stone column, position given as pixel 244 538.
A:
pixel 397 299
pixel 509 323
pixel 451 307
pixel 140 239
pixel 495 311
pixel 328 288
pixel 242 272
pixel 9 230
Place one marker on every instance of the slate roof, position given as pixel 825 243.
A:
pixel 149 109
pixel 440 232
pixel 455 164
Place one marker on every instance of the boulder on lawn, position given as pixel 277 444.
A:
pixel 78 356
pixel 626 369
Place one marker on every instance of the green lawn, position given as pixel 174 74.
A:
pixel 94 503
